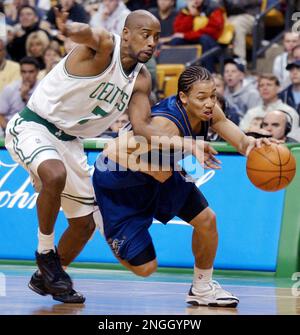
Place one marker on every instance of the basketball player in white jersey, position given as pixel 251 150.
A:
pixel 81 97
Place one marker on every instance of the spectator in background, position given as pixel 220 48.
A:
pixel 36 44
pixel 241 14
pixel 76 12
pixel 296 53
pixel 51 57
pixel 278 124
pixel 12 8
pixel 120 123
pixel 29 23
pixel 237 91
pixel 139 4
pixel 290 40
pixel 255 124
pixel 291 95
pixel 9 70
pixel 166 14
pixel 111 16
pixel 231 111
pixel 14 97
pixel 201 22
pixel 268 87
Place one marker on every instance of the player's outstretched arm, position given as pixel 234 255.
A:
pixel 231 133
pixel 80 33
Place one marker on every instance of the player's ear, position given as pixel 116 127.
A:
pixel 182 97
pixel 125 34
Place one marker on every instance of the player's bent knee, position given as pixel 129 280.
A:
pixel 53 178
pixel 206 220
pixel 145 270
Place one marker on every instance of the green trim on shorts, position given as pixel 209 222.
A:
pixel 26 160
pixel 79 198
pixel 79 201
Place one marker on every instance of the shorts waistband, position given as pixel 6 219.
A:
pixel 28 115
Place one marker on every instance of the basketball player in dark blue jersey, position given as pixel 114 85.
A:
pixel 130 199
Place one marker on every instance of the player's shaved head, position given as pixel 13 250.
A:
pixel 140 18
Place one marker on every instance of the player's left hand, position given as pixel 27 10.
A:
pixel 61 18
pixel 258 142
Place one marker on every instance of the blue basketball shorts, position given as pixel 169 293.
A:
pixel 129 201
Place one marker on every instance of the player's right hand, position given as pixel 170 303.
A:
pixel 61 18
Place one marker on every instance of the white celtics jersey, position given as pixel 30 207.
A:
pixel 84 106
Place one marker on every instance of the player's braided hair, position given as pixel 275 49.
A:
pixel 191 75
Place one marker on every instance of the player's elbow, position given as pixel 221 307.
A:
pixel 140 129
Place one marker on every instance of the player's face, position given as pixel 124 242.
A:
pixel 275 124
pixel 143 40
pixel 200 101
pixel 268 89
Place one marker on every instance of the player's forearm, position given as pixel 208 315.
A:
pixel 3 122
pixel 158 138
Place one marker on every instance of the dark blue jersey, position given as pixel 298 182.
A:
pixel 172 109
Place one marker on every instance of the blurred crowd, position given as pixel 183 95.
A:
pixel 262 104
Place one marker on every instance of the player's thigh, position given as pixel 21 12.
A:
pixel 30 144
pixel 196 210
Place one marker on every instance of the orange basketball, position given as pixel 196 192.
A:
pixel 271 167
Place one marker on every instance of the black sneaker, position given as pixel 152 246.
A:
pixel 56 280
pixel 37 285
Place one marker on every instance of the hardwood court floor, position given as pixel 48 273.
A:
pixel 115 292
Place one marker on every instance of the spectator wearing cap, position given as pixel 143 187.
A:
pixel 268 87
pixel 238 91
pixel 278 124
pixel 290 40
pixel 291 95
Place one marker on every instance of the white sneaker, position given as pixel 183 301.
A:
pixel 215 296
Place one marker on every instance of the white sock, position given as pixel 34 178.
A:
pixel 202 277
pixel 46 242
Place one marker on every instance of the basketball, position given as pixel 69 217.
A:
pixel 271 167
